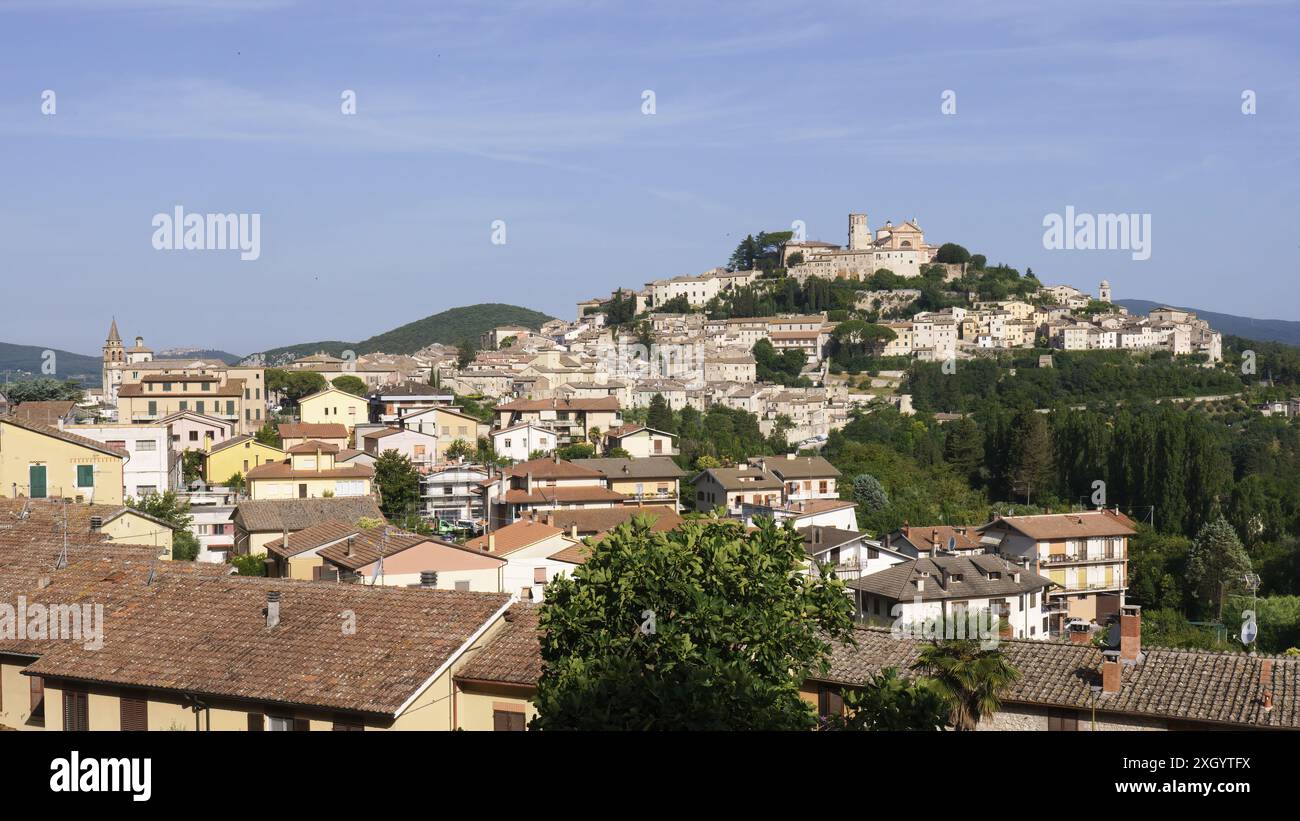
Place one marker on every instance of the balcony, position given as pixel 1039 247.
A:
pixel 1062 559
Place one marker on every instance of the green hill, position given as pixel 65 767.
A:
pixel 21 361
pixel 448 327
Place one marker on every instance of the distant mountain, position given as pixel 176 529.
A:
pixel 23 361
pixel 449 328
pixel 1285 331
pixel 199 353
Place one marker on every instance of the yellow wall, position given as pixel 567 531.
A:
pixel 288 488
pixel 476 703
pixel 132 529
pixel 334 406
pixel 20 448
pixel 223 464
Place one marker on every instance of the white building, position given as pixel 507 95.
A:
pixel 151 465
pixel 519 442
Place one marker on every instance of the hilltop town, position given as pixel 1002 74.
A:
pixel 442 493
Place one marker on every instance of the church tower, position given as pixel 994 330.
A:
pixel 1103 291
pixel 114 359
pixel 859 233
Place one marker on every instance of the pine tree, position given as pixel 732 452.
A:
pixel 1217 561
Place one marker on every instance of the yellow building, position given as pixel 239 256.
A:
pixel 238 455
pixel 158 395
pixel 448 424
pixel 334 406
pixel 89 523
pixel 39 461
pixel 310 473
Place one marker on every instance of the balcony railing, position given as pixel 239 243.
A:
pixel 1059 558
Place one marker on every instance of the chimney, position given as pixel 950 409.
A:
pixel 1110 675
pixel 817 535
pixel 1080 636
pixel 573 530
pixel 550 518
pixel 1266 683
pixel 272 608
pixel 920 584
pixel 1130 633
pixel 428 579
pixel 492 542
pixel 351 539
pixel 887 539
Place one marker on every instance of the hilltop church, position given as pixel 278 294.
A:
pixel 900 248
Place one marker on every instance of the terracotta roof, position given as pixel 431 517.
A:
pixel 312 446
pixel 209 636
pixel 71 438
pixel 1187 685
pixel 546 468
pixel 43 412
pixel 514 656
pixel 330 530
pixel 648 467
pixel 899 583
pixel 1067 525
pixel 603 403
pixel 262 515
pixel 232 387
pixel 929 537
pixel 312 430
pixel 599 520
pixel 544 495
pixel 742 478
pixel 820 538
pixel 369 545
pixel 516 536
pixel 800 467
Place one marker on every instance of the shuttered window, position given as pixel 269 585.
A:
pixel 76 711
pixel 135 714
pixel 255 722
pixel 507 721
pixel 38 700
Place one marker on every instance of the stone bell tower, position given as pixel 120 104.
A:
pixel 859 233
pixel 114 360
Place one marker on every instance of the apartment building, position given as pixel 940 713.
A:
pixel 309 473
pixel 151 465
pixel 1084 554
pixel 40 461
pixel 159 395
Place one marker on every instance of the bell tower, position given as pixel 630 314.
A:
pixel 859 233
pixel 1103 291
pixel 114 359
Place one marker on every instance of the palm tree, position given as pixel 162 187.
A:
pixel 593 436
pixel 970 678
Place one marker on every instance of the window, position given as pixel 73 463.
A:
pixel 508 720
pixel 146 445
pixel 462 586
pixel 539 575
pixel 146 490
pixel 256 723
pixel 38 701
pixel 286 724
pixel 76 711
pixel 1062 720
pixel 194 436
pixel 135 714
pixel 343 725
pixel 526 593
pixel 829 702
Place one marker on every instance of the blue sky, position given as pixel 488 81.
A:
pixel 530 112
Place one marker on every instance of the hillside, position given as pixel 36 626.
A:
pixel 1285 331
pixel 26 360
pixel 198 353
pixel 448 327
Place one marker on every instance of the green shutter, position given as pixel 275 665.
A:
pixel 85 475
pixel 36 481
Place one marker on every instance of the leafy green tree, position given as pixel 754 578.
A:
pixel 660 416
pixel 465 352
pixel 869 494
pixel 268 435
pixel 970 678
pixel 294 385
pixel 577 450
pixel 42 389
pixel 399 485
pixel 236 482
pixel 888 702
pixel 348 383
pixel 249 564
pixel 951 252
pixel 192 466
pixel 1031 459
pixel 1217 561
pixel 175 511
pixel 706 627
pixel 460 449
